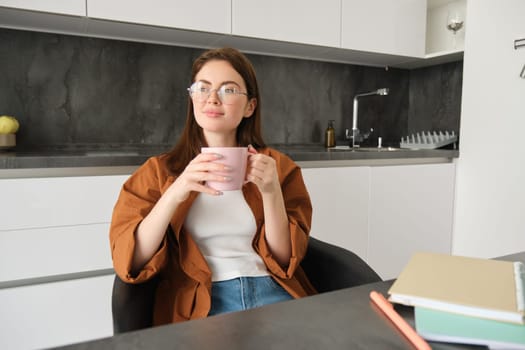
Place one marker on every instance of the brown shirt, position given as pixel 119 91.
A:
pixel 184 289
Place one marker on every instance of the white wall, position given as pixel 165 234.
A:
pixel 490 187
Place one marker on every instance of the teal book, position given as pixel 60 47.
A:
pixel 442 326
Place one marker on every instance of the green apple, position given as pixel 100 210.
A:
pixel 8 125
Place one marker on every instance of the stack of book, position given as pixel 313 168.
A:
pixel 464 300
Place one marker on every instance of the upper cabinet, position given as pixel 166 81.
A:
pixel 397 33
pixel 312 22
pixel 384 26
pixel 445 26
pixel 203 15
pixel 445 33
pixel 65 7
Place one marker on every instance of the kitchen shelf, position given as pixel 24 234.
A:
pixel 434 58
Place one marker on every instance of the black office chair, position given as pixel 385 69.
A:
pixel 327 266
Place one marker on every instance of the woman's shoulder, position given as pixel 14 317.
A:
pixel 280 157
pixel 272 152
pixel 156 166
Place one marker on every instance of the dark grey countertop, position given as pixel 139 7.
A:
pixel 73 157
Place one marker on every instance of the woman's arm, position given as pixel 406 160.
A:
pixel 142 202
pixel 151 230
pixel 262 171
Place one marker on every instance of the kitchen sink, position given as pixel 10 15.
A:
pixel 367 149
pixel 376 149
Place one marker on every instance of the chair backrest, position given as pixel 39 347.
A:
pixel 330 267
pixel 327 266
pixel 132 305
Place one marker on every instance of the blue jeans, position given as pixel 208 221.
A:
pixel 245 293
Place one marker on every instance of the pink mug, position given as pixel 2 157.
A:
pixel 234 157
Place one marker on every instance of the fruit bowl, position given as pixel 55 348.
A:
pixel 7 141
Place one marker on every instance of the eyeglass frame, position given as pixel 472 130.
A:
pixel 220 92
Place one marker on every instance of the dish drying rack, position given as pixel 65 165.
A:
pixel 428 140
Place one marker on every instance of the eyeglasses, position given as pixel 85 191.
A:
pixel 228 93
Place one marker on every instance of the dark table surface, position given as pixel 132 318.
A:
pixel 344 319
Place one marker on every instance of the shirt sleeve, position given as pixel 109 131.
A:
pixel 136 199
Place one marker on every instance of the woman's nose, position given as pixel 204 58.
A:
pixel 214 97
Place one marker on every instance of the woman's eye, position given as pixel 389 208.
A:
pixel 229 90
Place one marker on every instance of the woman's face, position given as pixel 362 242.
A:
pixel 219 116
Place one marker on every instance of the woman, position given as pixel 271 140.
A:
pixel 207 264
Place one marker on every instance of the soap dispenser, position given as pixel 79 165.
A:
pixel 329 137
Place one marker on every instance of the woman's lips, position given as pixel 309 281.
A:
pixel 213 114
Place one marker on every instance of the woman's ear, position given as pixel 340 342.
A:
pixel 250 107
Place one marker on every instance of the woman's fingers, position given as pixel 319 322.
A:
pixel 262 171
pixel 205 161
pixel 201 169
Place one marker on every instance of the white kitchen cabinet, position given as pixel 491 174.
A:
pixel 340 206
pixel 55 229
pixel 411 209
pixel 56 225
pixel 439 39
pixel 65 7
pixel 58 201
pixel 204 15
pixel 54 314
pixel 384 26
pixel 384 214
pixel 372 33
pixel 52 251
pixel 312 22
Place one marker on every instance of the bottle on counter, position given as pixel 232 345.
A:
pixel 329 136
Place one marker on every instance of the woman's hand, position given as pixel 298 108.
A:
pixel 195 175
pixel 262 172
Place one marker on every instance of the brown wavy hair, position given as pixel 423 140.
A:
pixel 248 131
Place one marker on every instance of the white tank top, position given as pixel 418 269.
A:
pixel 223 227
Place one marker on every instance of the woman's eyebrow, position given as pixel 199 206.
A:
pixel 230 82
pixel 223 83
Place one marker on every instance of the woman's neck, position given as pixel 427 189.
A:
pixel 214 140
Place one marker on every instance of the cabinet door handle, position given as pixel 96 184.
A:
pixel 519 43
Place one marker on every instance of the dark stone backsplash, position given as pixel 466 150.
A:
pixel 435 98
pixel 69 90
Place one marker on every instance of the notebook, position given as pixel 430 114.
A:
pixel 485 288
pixel 443 326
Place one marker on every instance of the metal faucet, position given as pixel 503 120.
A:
pixel 357 136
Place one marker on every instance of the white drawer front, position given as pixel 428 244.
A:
pixel 53 251
pixel 54 314
pixel 44 202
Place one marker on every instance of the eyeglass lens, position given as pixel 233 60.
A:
pixel 227 93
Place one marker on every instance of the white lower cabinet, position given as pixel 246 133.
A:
pixel 59 226
pixel 51 251
pixel 56 229
pixel 58 201
pixel 411 209
pixel 384 214
pixel 54 314
pixel 340 206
